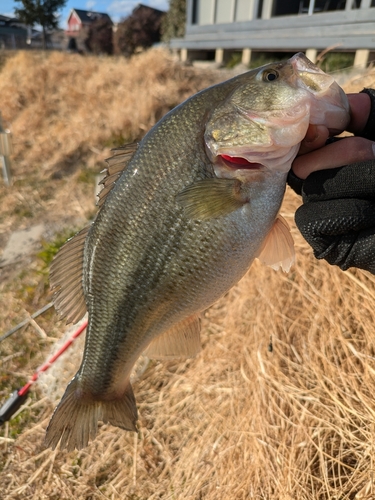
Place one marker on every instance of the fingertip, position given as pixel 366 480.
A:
pixel 311 134
pixel 315 138
pixel 360 107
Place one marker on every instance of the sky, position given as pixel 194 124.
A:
pixel 117 9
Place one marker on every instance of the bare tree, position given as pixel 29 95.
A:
pixel 100 36
pixel 140 30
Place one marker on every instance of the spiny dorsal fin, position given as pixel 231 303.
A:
pixel 211 198
pixel 278 248
pixel 116 165
pixel 180 341
pixel 66 278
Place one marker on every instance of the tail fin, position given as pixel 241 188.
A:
pixel 75 420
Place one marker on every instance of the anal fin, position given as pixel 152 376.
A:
pixel 277 250
pixel 180 341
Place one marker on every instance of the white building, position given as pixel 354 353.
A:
pixel 278 25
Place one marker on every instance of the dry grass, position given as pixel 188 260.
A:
pixel 66 112
pixel 237 422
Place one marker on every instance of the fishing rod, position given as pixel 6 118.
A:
pixel 26 321
pixel 19 396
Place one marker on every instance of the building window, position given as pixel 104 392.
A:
pixel 325 5
pixel 194 13
pixel 282 8
pixel 260 8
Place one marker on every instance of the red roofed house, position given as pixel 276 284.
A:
pixel 79 22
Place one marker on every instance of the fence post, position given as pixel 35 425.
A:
pixel 5 152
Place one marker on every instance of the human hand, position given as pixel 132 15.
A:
pixel 338 215
pixel 314 155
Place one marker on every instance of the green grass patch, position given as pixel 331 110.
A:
pixel 234 60
pixel 336 61
pixel 50 248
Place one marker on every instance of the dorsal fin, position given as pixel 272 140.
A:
pixel 180 341
pixel 277 250
pixel 66 278
pixel 116 165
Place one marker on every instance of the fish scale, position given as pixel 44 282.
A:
pixel 193 207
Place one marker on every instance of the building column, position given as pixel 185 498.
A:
pixel 246 57
pixel 362 55
pixel 361 58
pixel 311 7
pixel 184 55
pixel 311 54
pixel 219 56
pixel 348 4
pixel 267 9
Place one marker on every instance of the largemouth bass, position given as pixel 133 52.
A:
pixel 182 216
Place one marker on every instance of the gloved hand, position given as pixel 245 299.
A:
pixel 338 215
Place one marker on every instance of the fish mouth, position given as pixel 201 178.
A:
pixel 237 162
pixel 330 105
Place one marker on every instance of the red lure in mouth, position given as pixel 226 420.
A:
pixel 238 162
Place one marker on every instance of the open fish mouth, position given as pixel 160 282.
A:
pixel 237 162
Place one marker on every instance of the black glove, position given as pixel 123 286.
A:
pixel 369 131
pixel 338 215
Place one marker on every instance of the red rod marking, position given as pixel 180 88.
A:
pixel 53 358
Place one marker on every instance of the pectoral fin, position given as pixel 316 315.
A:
pixel 181 341
pixel 278 249
pixel 211 198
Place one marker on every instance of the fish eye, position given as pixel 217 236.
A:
pixel 270 75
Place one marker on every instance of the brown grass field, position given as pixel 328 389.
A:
pixel 239 421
